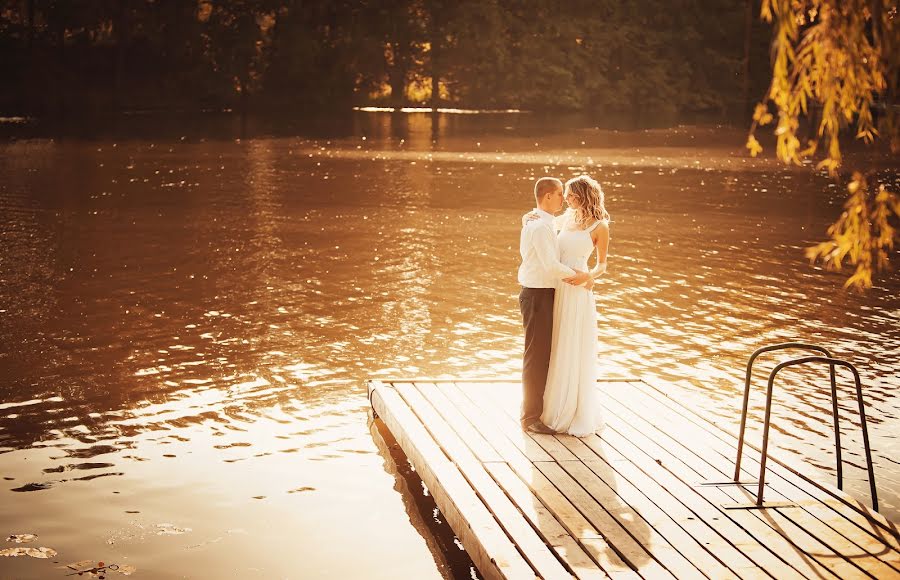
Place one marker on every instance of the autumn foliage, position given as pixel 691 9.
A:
pixel 834 62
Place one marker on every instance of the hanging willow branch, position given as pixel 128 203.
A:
pixel 838 58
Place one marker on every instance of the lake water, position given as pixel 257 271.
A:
pixel 188 315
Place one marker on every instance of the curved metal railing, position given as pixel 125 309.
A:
pixel 832 363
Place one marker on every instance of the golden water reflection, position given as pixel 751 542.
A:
pixel 187 325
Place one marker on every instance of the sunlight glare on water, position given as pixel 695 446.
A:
pixel 187 324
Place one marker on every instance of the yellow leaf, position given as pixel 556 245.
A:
pixel 830 164
pixel 810 149
pixel 754 146
pixel 759 111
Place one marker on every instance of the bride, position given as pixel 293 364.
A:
pixel 570 397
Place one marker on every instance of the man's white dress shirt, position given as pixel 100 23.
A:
pixel 541 267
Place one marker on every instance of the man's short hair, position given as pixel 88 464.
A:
pixel 545 185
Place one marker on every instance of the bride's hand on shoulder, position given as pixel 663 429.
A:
pixel 589 284
pixel 530 217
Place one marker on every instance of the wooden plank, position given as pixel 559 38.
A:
pixel 685 559
pixel 749 523
pixel 531 545
pixel 575 523
pixel 649 447
pixel 545 521
pixel 769 562
pixel 421 520
pixel 588 537
pixel 473 439
pixel 571 518
pixel 387 380
pixel 859 513
pixel 696 515
pixel 603 480
pixel 682 527
pixel 511 448
pixel 631 551
pixel 879 547
pixel 808 544
pixel 856 546
pixel 877 554
pixel 596 507
pixel 517 436
pixel 662 512
pixel 490 549
pixel 501 394
pixel 872 522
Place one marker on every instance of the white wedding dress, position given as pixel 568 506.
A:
pixel 570 396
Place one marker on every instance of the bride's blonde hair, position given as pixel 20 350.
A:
pixel 591 198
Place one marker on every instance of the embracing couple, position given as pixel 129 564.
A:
pixel 559 313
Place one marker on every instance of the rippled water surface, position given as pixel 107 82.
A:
pixel 187 322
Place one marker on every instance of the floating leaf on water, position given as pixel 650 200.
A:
pixel 33 487
pixel 301 489
pixel 21 538
pixel 171 530
pixel 98 569
pixel 79 565
pixel 33 552
pixel 207 542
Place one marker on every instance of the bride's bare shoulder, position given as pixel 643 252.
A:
pixel 600 230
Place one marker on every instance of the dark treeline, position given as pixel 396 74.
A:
pixel 669 58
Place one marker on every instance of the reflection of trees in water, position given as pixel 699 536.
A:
pixel 400 130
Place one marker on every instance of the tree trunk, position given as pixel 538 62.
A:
pixel 748 28
pixel 30 19
pixel 121 42
pixel 398 77
pixel 60 76
pixel 30 71
pixel 245 96
pixel 435 81
pixel 435 26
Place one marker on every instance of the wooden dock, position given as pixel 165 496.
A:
pixel 638 501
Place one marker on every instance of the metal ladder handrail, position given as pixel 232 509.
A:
pixel 832 362
pixel 753 357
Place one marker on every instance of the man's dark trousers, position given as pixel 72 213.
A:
pixel 536 305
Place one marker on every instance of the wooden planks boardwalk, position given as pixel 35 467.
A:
pixel 632 502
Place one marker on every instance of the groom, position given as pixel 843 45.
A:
pixel 539 273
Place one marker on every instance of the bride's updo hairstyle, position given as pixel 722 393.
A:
pixel 591 199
